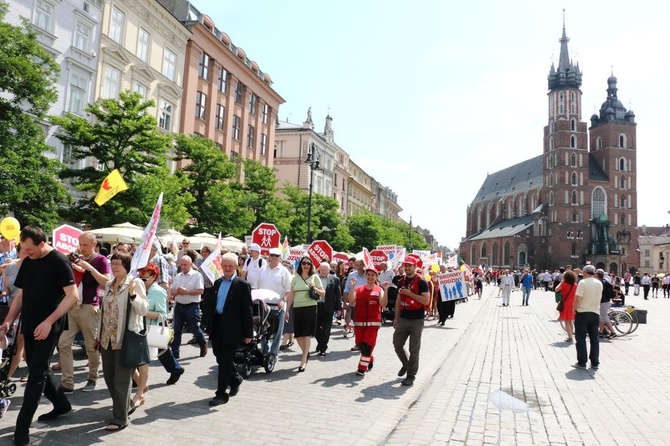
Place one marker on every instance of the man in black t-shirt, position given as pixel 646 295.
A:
pixel 47 291
pixel 413 294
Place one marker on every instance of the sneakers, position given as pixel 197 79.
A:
pixel 409 381
pixel 356 348
pixel 66 391
pixel 578 366
pixel 89 387
pixel 360 373
pixel 4 405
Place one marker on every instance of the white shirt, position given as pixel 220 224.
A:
pixel 277 279
pixel 646 280
pixel 192 280
pixel 386 276
pixel 253 270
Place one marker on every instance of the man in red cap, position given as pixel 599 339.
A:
pixel 413 294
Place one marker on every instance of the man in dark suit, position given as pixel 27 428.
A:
pixel 326 307
pixel 229 323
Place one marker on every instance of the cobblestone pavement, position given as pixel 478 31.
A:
pixel 493 375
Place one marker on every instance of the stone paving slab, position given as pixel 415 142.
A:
pixel 487 358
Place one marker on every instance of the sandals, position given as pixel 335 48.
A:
pixel 569 340
pixel 115 427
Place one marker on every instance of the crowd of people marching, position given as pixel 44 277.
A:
pixel 93 298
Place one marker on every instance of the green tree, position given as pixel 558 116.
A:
pixel 371 230
pixel 260 190
pixel 220 205
pixel 123 136
pixel 29 185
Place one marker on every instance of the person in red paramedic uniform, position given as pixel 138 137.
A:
pixel 369 300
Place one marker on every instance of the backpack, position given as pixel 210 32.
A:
pixel 260 262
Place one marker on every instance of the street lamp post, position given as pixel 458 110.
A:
pixel 313 163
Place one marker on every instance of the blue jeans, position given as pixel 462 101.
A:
pixel 186 313
pixel 169 362
pixel 525 293
pixel 587 323
pixel 281 319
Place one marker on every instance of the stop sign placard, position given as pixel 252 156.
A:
pixel 378 257
pixel 66 238
pixel 318 251
pixel 267 236
pixel 341 256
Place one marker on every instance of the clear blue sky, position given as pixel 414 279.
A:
pixel 430 96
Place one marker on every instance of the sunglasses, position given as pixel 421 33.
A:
pixel 185 243
pixel 144 279
pixel 274 255
pixel 306 263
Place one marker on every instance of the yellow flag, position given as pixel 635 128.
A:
pixel 111 186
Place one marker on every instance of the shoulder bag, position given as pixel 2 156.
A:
pixel 312 291
pixel 134 350
pixel 159 336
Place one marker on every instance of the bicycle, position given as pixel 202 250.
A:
pixel 622 321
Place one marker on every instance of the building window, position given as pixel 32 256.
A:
pixel 239 92
pixel 622 182
pixel 622 141
pixel 506 253
pixel 112 83
pixel 573 179
pixel 599 143
pixel 223 78
pixel 236 127
pixel 580 234
pixel 573 123
pixel 622 164
pixel 116 25
pixel 573 141
pixel 220 110
pixel 78 94
pixel 141 89
pixel 561 103
pixel 266 112
pixel 551 198
pixel 573 160
pixel 252 103
pixel 622 220
pixel 264 147
pixel 200 104
pixel 570 234
pixel 598 202
pixel 169 64
pixel 143 39
pixel 251 137
pixel 573 250
pixel 574 217
pixel 43 15
pixel 482 252
pixel 573 198
pixel 165 117
pixel 622 201
pixel 82 37
pixel 494 254
pixel 203 66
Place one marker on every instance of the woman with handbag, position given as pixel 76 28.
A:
pixel 157 314
pixel 306 289
pixel 120 340
pixel 566 306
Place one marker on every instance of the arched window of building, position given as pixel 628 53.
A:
pixel 622 220
pixel 573 179
pixel 533 202
pixel 622 164
pixel 622 182
pixel 573 249
pixel 573 198
pixel 551 143
pixel 569 235
pixel 598 202
pixel 507 258
pixel 561 103
pixel 622 201
pixel 494 254
pixel 573 141
pixel 551 198
pixel 510 208
pixel 574 217
pixel 599 143
pixel 573 104
pixel 573 124
pixel 483 250
pixel 622 141
pixel 573 160
pixel 580 234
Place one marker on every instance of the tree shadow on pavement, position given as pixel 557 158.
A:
pixel 384 391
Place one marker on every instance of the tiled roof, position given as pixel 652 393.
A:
pixel 520 177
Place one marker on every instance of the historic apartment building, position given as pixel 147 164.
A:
pixel 226 98
pixel 69 30
pixel 337 176
pixel 576 202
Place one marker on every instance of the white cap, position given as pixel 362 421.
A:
pixel 254 247
pixel 275 251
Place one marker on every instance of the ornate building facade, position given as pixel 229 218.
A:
pixel 576 202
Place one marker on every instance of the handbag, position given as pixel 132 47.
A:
pixel 159 336
pixel 312 291
pixel 134 350
pixel 561 303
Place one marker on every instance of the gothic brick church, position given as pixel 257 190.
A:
pixel 576 202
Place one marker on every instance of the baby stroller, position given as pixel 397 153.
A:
pixel 388 312
pixel 7 388
pixel 256 353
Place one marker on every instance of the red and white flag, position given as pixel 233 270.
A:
pixel 143 252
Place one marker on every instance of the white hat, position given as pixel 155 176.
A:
pixel 254 247
pixel 275 251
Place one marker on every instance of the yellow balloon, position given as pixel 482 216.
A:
pixel 434 267
pixel 462 267
pixel 10 228
pixel 427 277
